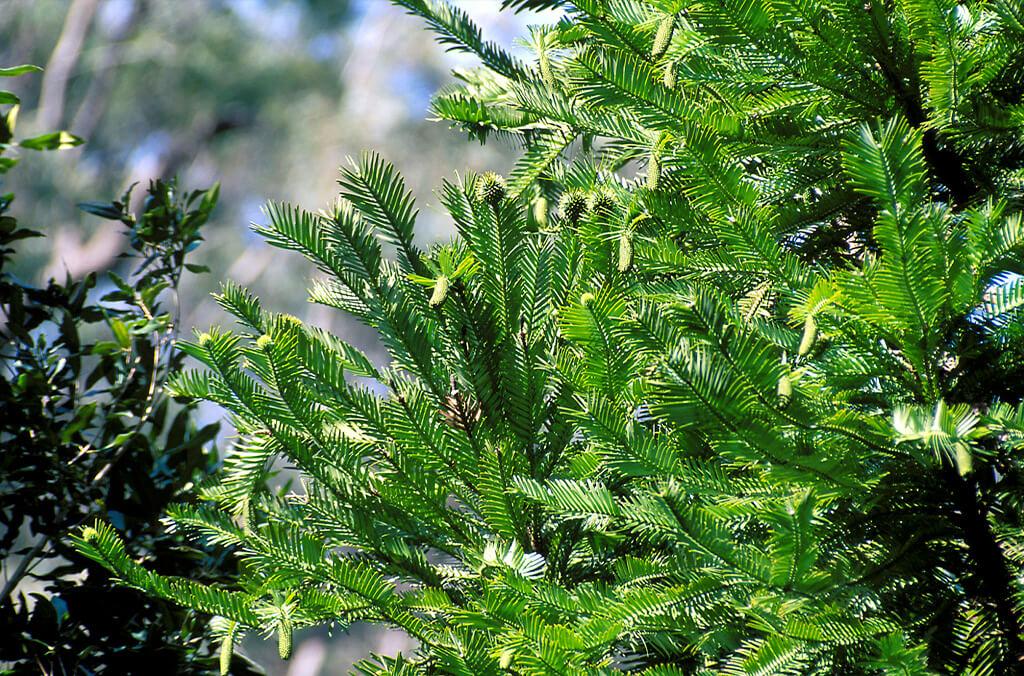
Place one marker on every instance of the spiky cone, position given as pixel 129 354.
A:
pixel 491 188
pixel 572 205
pixel 90 535
pixel 600 202
pixel 663 37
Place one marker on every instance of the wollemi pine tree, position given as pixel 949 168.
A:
pixel 754 411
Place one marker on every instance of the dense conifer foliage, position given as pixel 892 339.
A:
pixel 747 402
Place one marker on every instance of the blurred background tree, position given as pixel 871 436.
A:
pixel 268 97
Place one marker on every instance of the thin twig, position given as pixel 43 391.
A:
pixel 23 565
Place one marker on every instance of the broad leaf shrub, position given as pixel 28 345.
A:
pixel 746 402
pixel 88 432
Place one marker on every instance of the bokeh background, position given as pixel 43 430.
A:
pixel 268 97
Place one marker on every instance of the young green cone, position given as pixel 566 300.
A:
pixel 663 37
pixel 784 390
pixel 545 70
pixel 227 649
pixel 440 291
pixel 625 251
pixel 653 171
pixel 668 78
pixel 284 638
pixel 540 212
pixel 810 333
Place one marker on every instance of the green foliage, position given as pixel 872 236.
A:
pixel 756 410
pixel 56 140
pixel 87 433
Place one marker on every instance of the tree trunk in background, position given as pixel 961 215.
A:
pixel 94 103
pixel 62 62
